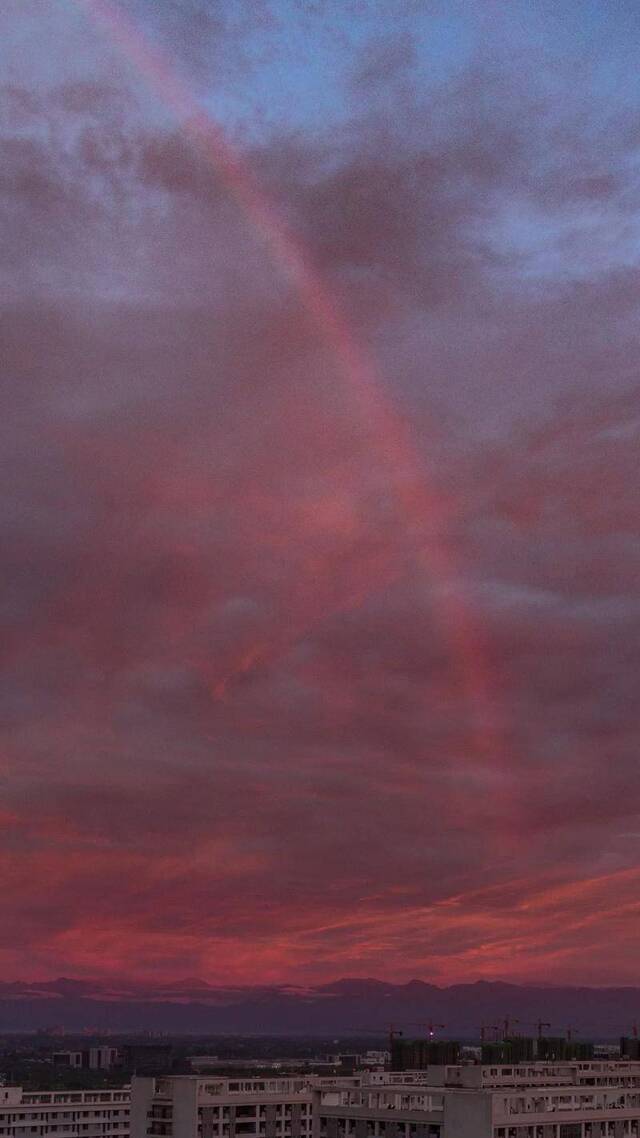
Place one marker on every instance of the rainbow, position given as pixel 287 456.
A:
pixel 414 498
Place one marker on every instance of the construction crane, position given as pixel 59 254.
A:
pixel 506 1025
pixel 390 1028
pixel 430 1027
pixel 393 1031
pixel 539 1025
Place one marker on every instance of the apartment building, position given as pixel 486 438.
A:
pixel 590 1073
pixel 560 1112
pixel 187 1106
pixel 91 1058
pixel 64 1114
pixel 577 1100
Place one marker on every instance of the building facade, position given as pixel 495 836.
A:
pixel 568 1100
pixel 186 1106
pixel 571 1099
pixel 88 1058
pixel 64 1114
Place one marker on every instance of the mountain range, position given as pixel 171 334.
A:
pixel 343 1007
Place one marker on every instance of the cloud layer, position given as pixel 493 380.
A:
pixel 309 667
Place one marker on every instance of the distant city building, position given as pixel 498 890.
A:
pixel 147 1058
pixel 518 1049
pixel 418 1054
pixel 357 1060
pixel 90 1058
pixel 555 1049
pixel 606 1051
pixel 201 1063
pixel 67 1059
pixel 523 1049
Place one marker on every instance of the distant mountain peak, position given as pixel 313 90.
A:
pixel 355 983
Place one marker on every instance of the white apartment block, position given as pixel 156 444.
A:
pixel 589 1073
pixel 187 1106
pixel 64 1114
pixel 531 1100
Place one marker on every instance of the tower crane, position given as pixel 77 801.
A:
pixel 430 1026
pixel 393 1029
pixel 506 1025
pixel 539 1025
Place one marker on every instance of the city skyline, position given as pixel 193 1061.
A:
pixel 320 517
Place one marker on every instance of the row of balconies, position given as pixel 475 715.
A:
pixel 570 1108
pixel 54 1116
pixel 257 1126
pixel 86 1129
pixel 408 1129
pixel 538 1131
pixel 88 1097
pixel 78 1113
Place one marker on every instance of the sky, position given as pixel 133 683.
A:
pixel 320 540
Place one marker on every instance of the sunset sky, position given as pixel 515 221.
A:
pixel 320 515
